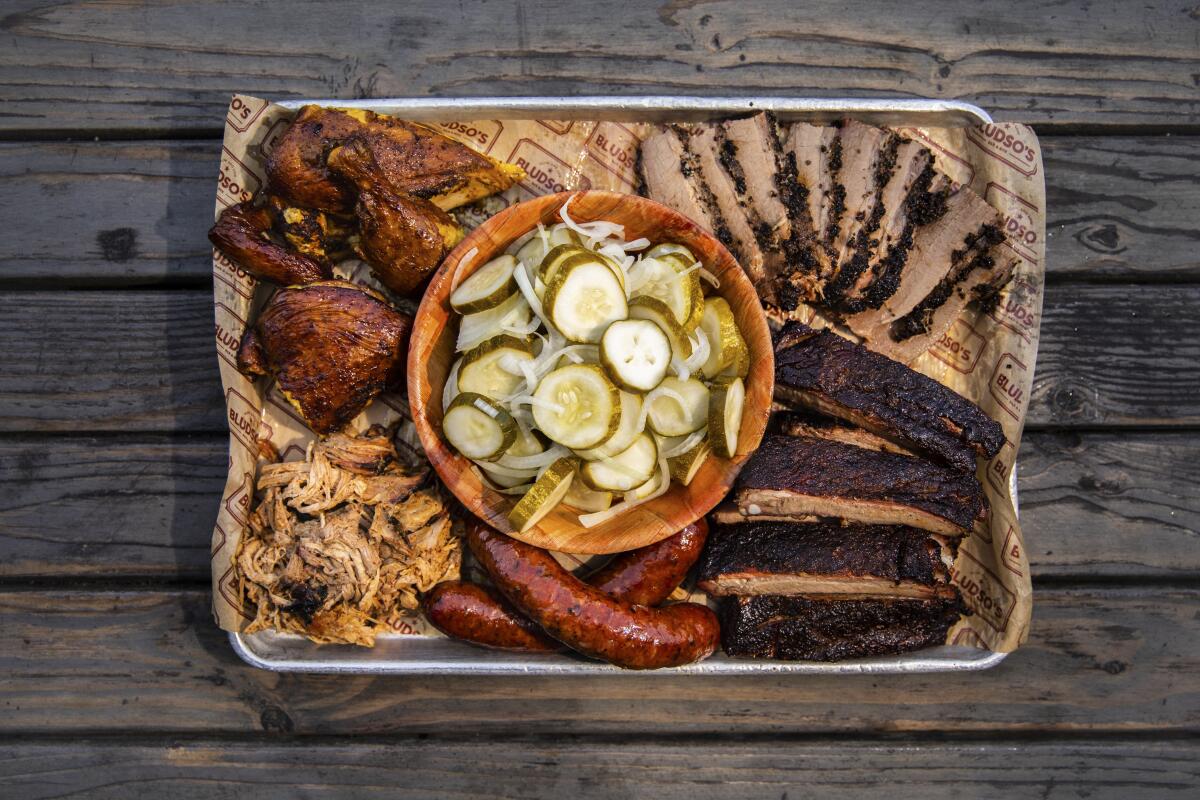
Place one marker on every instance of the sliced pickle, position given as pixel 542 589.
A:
pixel 724 339
pixel 478 427
pixel 627 431
pixel 646 489
pixel 483 370
pixel 580 497
pixel 583 299
pixel 728 398
pixel 577 406
pixel 557 257
pixel 544 495
pixel 501 480
pixel 740 367
pixel 486 287
pixel 483 325
pixel 684 467
pixel 626 470
pixel 656 311
pixel 662 279
pixel 636 354
pixel 668 417
pixel 670 248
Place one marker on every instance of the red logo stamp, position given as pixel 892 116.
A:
pixel 1010 556
pixel 1019 225
pixel 615 147
pixel 481 135
pixel 233 187
pixel 228 341
pixel 545 173
pixel 959 347
pixel 997 471
pixel 1008 384
pixel 242 113
pixel 1003 145
pixel 238 501
pixel 1015 309
pixel 243 419
pixel 232 275
pixel 561 127
pixel 983 591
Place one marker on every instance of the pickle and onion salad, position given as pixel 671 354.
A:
pixel 592 371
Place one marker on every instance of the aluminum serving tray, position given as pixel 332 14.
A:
pixel 419 655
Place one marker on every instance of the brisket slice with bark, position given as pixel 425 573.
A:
pixel 795 476
pixel 826 558
pixel 823 628
pixel 825 372
pixel 801 423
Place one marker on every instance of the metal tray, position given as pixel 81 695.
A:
pixel 396 654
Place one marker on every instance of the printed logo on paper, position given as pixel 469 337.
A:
pixel 237 182
pixel 1015 308
pixel 238 501
pixel 243 419
pixel 966 637
pixel 998 470
pixel 1001 144
pixel 615 147
pixel 1019 220
pixel 479 134
pixel 545 173
pixel 1008 385
pixel 1010 555
pixel 561 127
pixel 228 340
pixel 243 111
pixel 233 276
pixel 983 591
pixel 228 586
pixel 959 347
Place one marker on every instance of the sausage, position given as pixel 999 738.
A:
pixel 585 618
pixel 478 614
pixel 646 576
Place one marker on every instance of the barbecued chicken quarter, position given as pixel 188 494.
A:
pixel 824 372
pixel 408 157
pixel 831 628
pixel 245 234
pixel 332 348
pixel 795 478
pixel 826 557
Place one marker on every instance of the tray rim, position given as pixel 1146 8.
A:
pixel 580 106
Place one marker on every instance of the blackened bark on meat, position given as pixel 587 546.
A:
pixel 917 321
pixel 895 553
pixel 727 155
pixel 908 490
pixel 837 195
pixel 831 629
pixel 306 600
pixel 835 376
pixel 690 167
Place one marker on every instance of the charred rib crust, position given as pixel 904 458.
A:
pixel 892 552
pixel 883 395
pixel 820 468
pixel 819 628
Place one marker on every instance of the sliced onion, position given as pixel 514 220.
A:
pixel 507 472
pixel 535 461
pixel 600 517
pixel 597 230
pixel 450 390
pixel 700 352
pixel 691 440
pixel 708 276
pixel 660 391
pixel 467 258
pixel 528 399
pixel 637 244
pixel 531 297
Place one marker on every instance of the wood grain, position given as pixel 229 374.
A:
pixel 1119 208
pixel 1112 660
pixel 127 360
pixel 431 354
pixel 838 770
pixel 114 66
pixel 1116 505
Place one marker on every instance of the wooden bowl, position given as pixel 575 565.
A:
pixel 431 354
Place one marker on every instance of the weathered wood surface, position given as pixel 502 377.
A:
pixel 1091 503
pixel 105 66
pixel 146 361
pixel 1120 208
pixel 1099 770
pixel 1113 660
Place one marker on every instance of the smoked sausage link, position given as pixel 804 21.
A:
pixel 586 619
pixel 647 576
pixel 464 610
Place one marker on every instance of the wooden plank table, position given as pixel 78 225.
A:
pixel 113 679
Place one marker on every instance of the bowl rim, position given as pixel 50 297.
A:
pixel 433 317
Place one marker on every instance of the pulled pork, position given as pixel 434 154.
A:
pixel 341 545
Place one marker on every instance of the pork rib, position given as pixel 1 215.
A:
pixel 825 628
pixel 825 372
pixel 826 558
pixel 795 476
